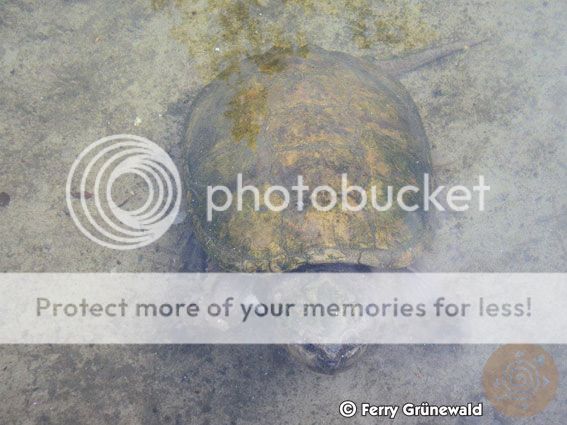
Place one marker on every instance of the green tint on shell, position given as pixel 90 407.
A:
pixel 317 114
pixel 247 111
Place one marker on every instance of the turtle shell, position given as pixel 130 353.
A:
pixel 316 114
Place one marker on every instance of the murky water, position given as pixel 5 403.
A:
pixel 73 72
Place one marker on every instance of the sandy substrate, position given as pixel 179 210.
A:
pixel 72 72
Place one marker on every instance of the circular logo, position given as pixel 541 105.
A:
pixel 520 380
pixel 347 409
pixel 92 183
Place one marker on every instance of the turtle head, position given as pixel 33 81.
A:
pixel 327 358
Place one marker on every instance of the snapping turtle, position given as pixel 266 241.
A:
pixel 316 114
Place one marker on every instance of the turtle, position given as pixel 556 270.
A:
pixel 318 114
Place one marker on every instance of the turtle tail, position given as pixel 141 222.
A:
pixel 402 65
